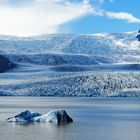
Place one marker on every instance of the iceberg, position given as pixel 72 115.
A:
pixel 58 117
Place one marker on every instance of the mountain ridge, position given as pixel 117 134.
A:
pixel 108 45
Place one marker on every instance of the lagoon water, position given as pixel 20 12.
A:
pixel 94 118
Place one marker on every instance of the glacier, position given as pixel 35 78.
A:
pixel 101 65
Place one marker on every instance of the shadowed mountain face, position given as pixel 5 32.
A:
pixel 138 36
pixel 5 64
pixel 57 59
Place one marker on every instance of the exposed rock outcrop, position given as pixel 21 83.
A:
pixel 5 64
pixel 138 36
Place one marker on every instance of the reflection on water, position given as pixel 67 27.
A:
pixel 94 119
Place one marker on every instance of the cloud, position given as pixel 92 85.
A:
pixel 40 16
pixel 33 17
pixel 130 18
pixel 122 16
pixel 3 2
pixel 112 1
pixel 102 1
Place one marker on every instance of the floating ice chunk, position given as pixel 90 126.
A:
pixel 59 117
pixel 25 116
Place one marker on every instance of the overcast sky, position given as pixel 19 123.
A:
pixel 34 17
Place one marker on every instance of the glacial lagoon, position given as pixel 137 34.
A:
pixel 94 118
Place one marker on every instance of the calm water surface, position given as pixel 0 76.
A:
pixel 94 119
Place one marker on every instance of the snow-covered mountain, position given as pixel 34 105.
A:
pixel 104 64
pixel 107 45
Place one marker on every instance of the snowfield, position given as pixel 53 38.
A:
pixel 104 64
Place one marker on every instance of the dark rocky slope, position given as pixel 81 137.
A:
pixel 5 64
pixel 138 36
